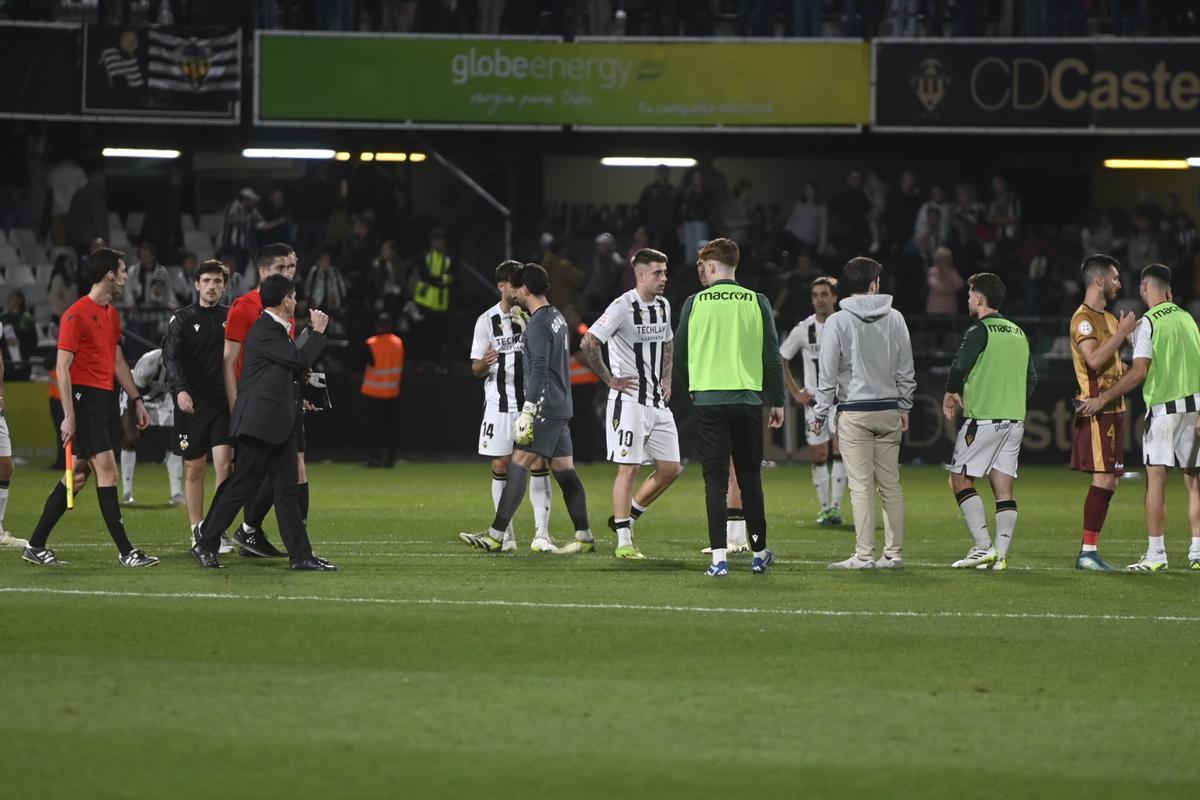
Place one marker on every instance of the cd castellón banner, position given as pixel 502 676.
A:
pixel 400 79
pixel 1064 85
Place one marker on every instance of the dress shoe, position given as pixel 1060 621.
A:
pixel 205 559
pixel 311 564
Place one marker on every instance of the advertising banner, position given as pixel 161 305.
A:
pixel 1063 86
pixel 193 75
pixel 400 79
pixel 40 65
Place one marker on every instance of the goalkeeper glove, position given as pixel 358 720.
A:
pixel 523 427
pixel 519 313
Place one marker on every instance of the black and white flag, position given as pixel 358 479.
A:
pixel 170 74
pixel 194 64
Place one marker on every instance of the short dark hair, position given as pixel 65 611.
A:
pixel 859 273
pixel 147 245
pixel 267 254
pixel 990 286
pixel 533 277
pixel 825 280
pixel 1096 266
pixel 724 251
pixel 1160 273
pixel 274 289
pixel 103 261
pixel 505 271
pixel 648 255
pixel 210 266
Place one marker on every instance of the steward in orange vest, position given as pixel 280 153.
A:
pixel 381 388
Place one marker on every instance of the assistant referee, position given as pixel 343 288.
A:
pixel 727 354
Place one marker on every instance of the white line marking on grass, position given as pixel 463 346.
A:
pixel 437 601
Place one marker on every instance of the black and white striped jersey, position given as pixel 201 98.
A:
pixel 805 339
pixel 636 332
pixel 504 389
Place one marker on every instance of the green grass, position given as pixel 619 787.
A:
pixel 424 669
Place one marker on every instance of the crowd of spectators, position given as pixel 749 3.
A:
pixel 856 18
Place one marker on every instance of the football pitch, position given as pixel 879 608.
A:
pixel 426 669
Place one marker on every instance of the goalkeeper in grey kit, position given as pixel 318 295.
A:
pixel 542 429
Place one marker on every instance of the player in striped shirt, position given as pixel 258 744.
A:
pixel 637 329
pixel 828 472
pixel 496 357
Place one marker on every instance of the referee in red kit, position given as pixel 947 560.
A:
pixel 89 357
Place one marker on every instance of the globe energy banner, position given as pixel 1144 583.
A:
pixel 398 80
pixel 1037 86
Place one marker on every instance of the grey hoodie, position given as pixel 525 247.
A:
pixel 866 355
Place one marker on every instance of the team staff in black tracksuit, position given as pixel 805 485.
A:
pixel 192 354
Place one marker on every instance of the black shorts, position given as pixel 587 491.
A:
pixel 97 421
pixel 551 439
pixel 202 430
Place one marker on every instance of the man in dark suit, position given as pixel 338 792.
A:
pixel 263 426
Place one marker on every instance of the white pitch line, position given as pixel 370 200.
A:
pixel 436 601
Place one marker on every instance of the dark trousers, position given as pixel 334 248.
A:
pixel 381 414
pixel 721 432
pixel 255 460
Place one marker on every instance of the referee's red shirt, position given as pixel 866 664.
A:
pixel 244 312
pixel 92 332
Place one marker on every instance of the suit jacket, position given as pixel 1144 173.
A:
pixel 268 398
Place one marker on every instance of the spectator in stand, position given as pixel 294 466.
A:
pixel 566 279
pixel 809 220
pixel 164 218
pixel 794 301
pixel 431 294
pixel 901 215
pixel 737 216
pixel 754 18
pixel 1143 245
pixel 850 215
pixel 937 200
pixel 968 250
pixel 609 277
pixel 312 209
pixel 877 192
pixel 696 208
pixel 182 285
pixel 945 284
pixel 63 289
pixel 87 216
pixel 149 285
pixel 1004 214
pixel 65 179
pixel 905 14
pixel 658 208
pixel 360 249
pixel 1099 236
pixel 277 218
pixel 18 322
pixel 806 18
pixel 242 224
pixel 325 287
pixel 491 12
pixel 967 205
pixel 1184 237
pixel 387 284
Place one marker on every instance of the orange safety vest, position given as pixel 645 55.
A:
pixel 382 379
pixel 581 373
pixel 54 393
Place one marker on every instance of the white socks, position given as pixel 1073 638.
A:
pixel 4 504
pixel 174 473
pixel 735 532
pixel 1157 551
pixel 820 479
pixel 1193 551
pixel 624 533
pixel 971 505
pixel 837 474
pixel 128 462
pixel 1006 522
pixel 718 554
pixel 539 498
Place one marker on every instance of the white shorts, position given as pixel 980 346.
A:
pixel 496 432
pixel 983 446
pixel 1171 441
pixel 828 430
pixel 638 434
pixel 5 440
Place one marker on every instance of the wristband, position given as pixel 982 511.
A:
pixel 138 399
